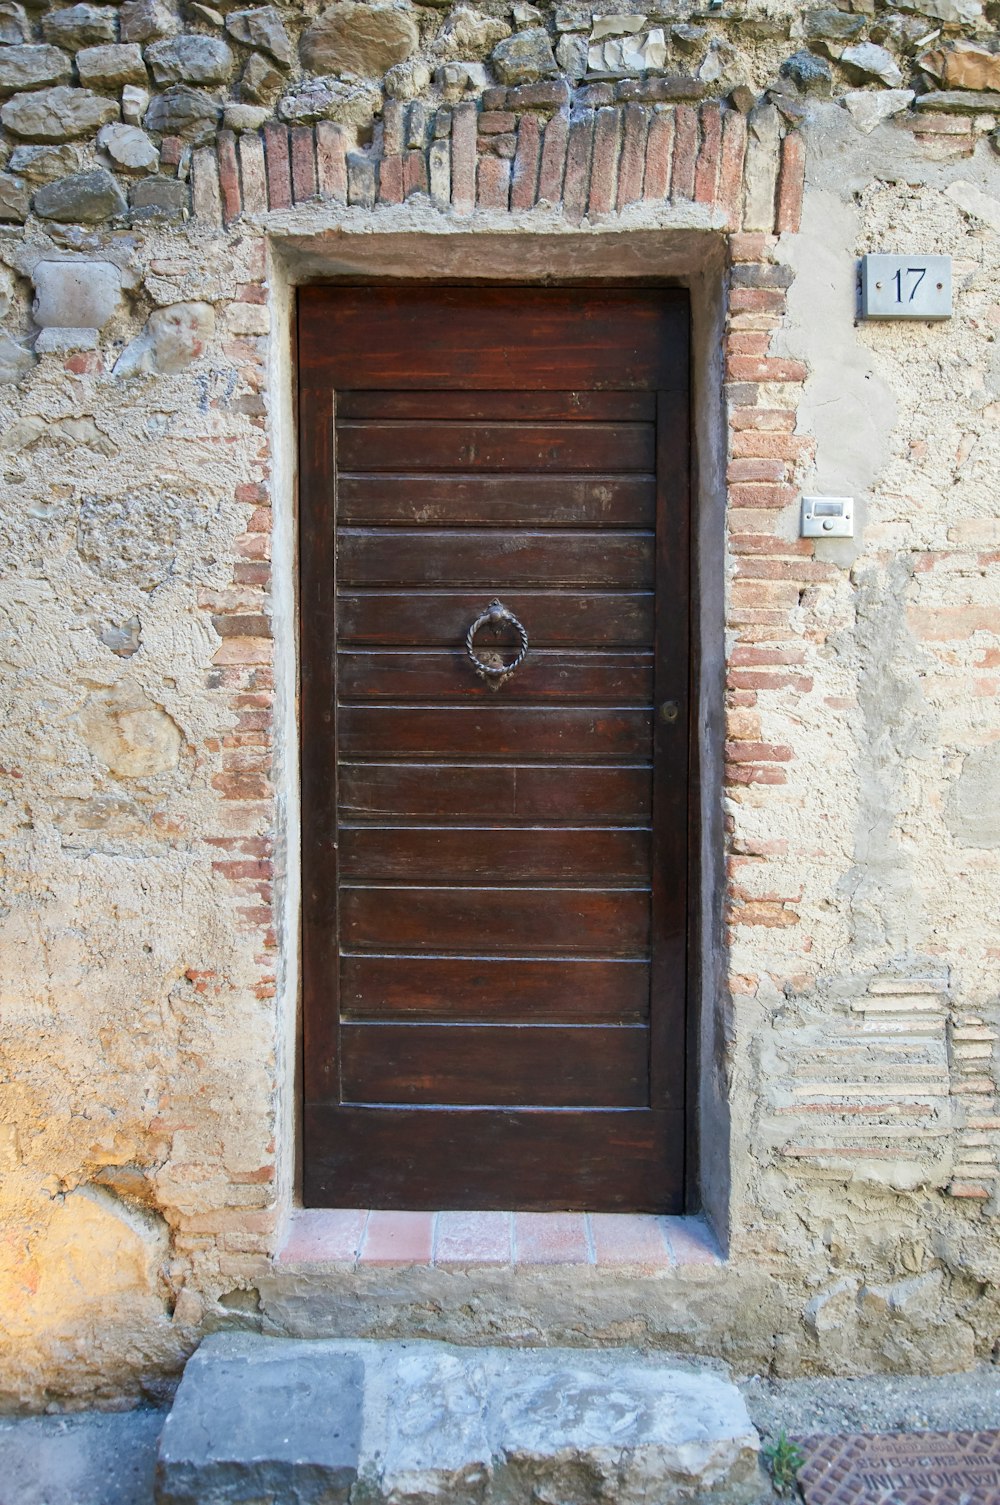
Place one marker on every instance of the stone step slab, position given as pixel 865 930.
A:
pixel 278 1421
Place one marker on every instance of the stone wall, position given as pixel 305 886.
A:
pixel 161 166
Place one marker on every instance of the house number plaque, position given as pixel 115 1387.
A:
pixel 905 287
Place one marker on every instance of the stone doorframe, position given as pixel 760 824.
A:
pixel 745 457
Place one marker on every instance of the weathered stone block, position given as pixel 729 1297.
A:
pixel 79 26
pixel 314 1420
pixel 75 294
pixel 14 26
pixel 40 164
pixel 812 74
pixel 129 147
pixel 135 103
pixel 129 733
pixel 469 34
pixel 15 360
pixel 362 39
pixel 111 67
pixel 60 114
pixel 180 111
pixel 329 99
pixel 148 20
pixel 85 197
pixel 869 107
pixel 32 68
pixel 837 25
pixel 261 79
pixel 869 61
pixel 262 28
pixel 191 59
pixel 160 197
pixel 524 57
pixel 15 199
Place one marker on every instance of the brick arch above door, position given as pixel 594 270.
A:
pixel 702 165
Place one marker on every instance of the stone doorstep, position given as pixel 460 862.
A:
pixel 515 1240
pixel 274 1420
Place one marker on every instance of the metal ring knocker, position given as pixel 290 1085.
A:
pixel 496 616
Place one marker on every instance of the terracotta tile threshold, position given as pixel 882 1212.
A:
pixel 362 1238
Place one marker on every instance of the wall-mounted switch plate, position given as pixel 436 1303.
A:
pixel 905 287
pixel 827 517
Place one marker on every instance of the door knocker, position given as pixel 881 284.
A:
pixel 492 667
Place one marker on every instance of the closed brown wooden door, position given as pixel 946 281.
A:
pixel 495 909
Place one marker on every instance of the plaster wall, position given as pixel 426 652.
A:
pixel 850 969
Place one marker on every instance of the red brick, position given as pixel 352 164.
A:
pixel 764 912
pixel 414 173
pixel 941 624
pixel 759 679
pixel 463 157
pixel 691 1241
pixel 253 176
pixel 550 1238
pixel 633 156
pixel 756 469
pixel 757 752
pixel 398 1238
pixel 498 146
pixel 604 170
pixel 496 122
pixel 303 164
pixel 778 419
pixel 750 245
pixel 761 444
pixel 767 368
pixel 787 569
pixel 171 151
pixel 769 543
pixel 761 494
pixel 473 1238
pixel 524 175
pixel 731 154
pixel 393 125
pixel 791 181
pixel 659 155
pixel 493 187
pixel 553 167
pixel 748 342
pixel 229 176
pixel 757 300
pixel 331 161
pixel 625 1240
pixel 706 175
pixel 579 147
pixel 242 786
pixel 390 179
pixel 251 491
pixel 685 153
pixel 279 171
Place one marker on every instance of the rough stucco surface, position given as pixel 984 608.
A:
pixel 148 1004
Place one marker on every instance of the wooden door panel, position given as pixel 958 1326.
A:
pixel 497 921
pixel 508 854
pixel 495 561
pixel 515 501
pixel 508 792
pixel 495 874
pixel 570 990
pixel 599 678
pixel 615 1160
pixel 510 1065
pixel 435 446
pixel 502 406
pixel 495 731
pixel 558 619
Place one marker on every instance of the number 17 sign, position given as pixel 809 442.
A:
pixel 905 287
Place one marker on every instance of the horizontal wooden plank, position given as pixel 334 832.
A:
pixel 484 989
pixel 628 1160
pixel 546 675
pixel 500 405
pixel 422 445
pixel 455 792
pixel 438 853
pixel 495 731
pixel 514 501
pixel 526 338
pixel 529 1065
pixel 558 619
pixel 398 556
pixel 546 921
